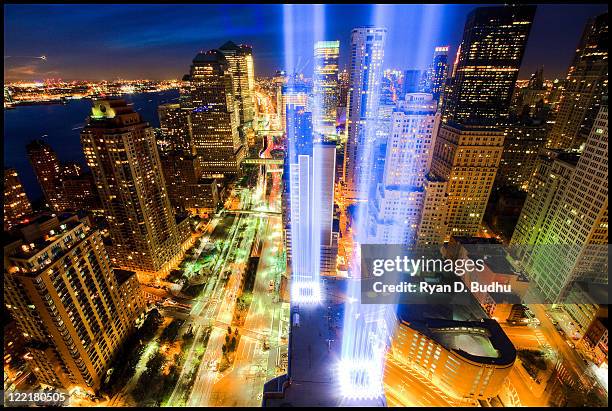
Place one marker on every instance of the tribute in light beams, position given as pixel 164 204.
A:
pixel 310 202
pixel 366 328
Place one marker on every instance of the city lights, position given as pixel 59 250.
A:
pixel 306 205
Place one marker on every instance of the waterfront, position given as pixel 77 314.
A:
pixel 59 125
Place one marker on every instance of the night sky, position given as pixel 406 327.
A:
pixel 97 42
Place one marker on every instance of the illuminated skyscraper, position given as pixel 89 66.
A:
pixel 438 71
pixel 120 149
pixel 325 86
pixel 488 63
pixel 79 188
pixel 521 144
pixel 214 115
pixel 572 232
pixel 299 130
pixel 551 174
pixel 240 63
pixel 585 85
pixel 48 170
pixel 324 169
pixel 175 127
pixel 295 94
pixel 395 213
pixel 313 244
pixel 367 52
pixel 73 309
pixel 467 159
pixel 16 203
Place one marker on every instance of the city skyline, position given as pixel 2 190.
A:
pixel 328 234
pixel 146 32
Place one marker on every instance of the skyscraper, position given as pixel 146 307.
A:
pixel 396 210
pixel 467 158
pixel 552 172
pixel 487 65
pixel 572 240
pixel 521 145
pixel 214 115
pixel 299 131
pixel 120 149
pixel 240 64
pixel 367 53
pixel 585 85
pixel 175 127
pixel 16 203
pixel 312 241
pixel 72 308
pixel 438 71
pixel 48 170
pixel 325 86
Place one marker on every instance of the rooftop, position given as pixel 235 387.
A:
pixel 482 341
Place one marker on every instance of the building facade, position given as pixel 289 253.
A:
pixel 399 197
pixel 367 54
pixel 325 86
pixel 487 65
pixel 439 351
pixel 121 151
pixel 585 85
pixel 48 171
pixel 240 64
pixel 16 203
pixel 214 115
pixel 68 304
pixel 572 244
pixel 467 159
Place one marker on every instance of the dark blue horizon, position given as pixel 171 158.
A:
pixel 158 41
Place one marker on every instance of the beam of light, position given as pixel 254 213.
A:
pixel 308 212
pixel 367 327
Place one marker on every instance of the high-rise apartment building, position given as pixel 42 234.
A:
pixel 585 85
pixel 438 71
pixel 240 64
pixel 79 188
pixel 325 86
pixel 48 170
pixel 396 211
pixel 214 115
pixel 487 65
pixel 367 53
pixel 121 151
pixel 572 242
pixel 16 203
pixel 73 310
